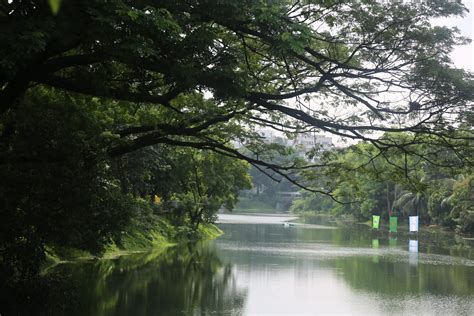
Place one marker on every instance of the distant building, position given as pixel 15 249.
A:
pixel 309 141
pixel 302 142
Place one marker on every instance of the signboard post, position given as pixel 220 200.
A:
pixel 375 221
pixel 413 223
pixel 393 224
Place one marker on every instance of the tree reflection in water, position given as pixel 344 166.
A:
pixel 189 280
pixel 262 268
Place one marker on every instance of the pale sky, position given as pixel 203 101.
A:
pixel 463 56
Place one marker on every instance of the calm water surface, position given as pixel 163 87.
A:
pixel 263 267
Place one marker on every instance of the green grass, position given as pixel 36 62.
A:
pixel 209 231
pixel 136 239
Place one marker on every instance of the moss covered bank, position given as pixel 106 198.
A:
pixel 156 234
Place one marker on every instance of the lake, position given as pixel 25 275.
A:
pixel 262 266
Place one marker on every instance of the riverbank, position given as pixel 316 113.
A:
pixel 158 235
pixel 403 227
pixel 143 243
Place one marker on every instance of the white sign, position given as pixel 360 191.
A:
pixel 413 223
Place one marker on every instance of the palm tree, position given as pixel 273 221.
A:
pixel 411 203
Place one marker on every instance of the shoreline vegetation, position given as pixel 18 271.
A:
pixel 51 290
pixel 164 235
pixel 308 217
pixel 161 236
pixel 344 220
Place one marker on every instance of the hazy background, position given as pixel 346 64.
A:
pixel 463 56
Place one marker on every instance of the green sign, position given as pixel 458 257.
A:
pixel 375 221
pixel 393 224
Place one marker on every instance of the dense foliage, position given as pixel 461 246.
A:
pixel 62 191
pixel 212 70
pixel 364 186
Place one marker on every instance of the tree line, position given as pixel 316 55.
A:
pixel 395 184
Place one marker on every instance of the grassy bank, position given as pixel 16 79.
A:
pixel 155 234
pixel 148 239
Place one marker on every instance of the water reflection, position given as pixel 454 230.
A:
pixel 392 240
pixel 273 269
pixel 413 252
pixel 345 271
pixel 189 280
pixel 375 245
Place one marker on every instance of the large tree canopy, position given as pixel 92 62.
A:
pixel 214 70
pixel 87 85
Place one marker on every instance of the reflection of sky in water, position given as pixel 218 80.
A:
pixel 245 219
pixel 285 273
pixel 327 251
pixel 307 288
pixel 268 268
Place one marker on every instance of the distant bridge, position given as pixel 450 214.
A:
pixel 284 199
